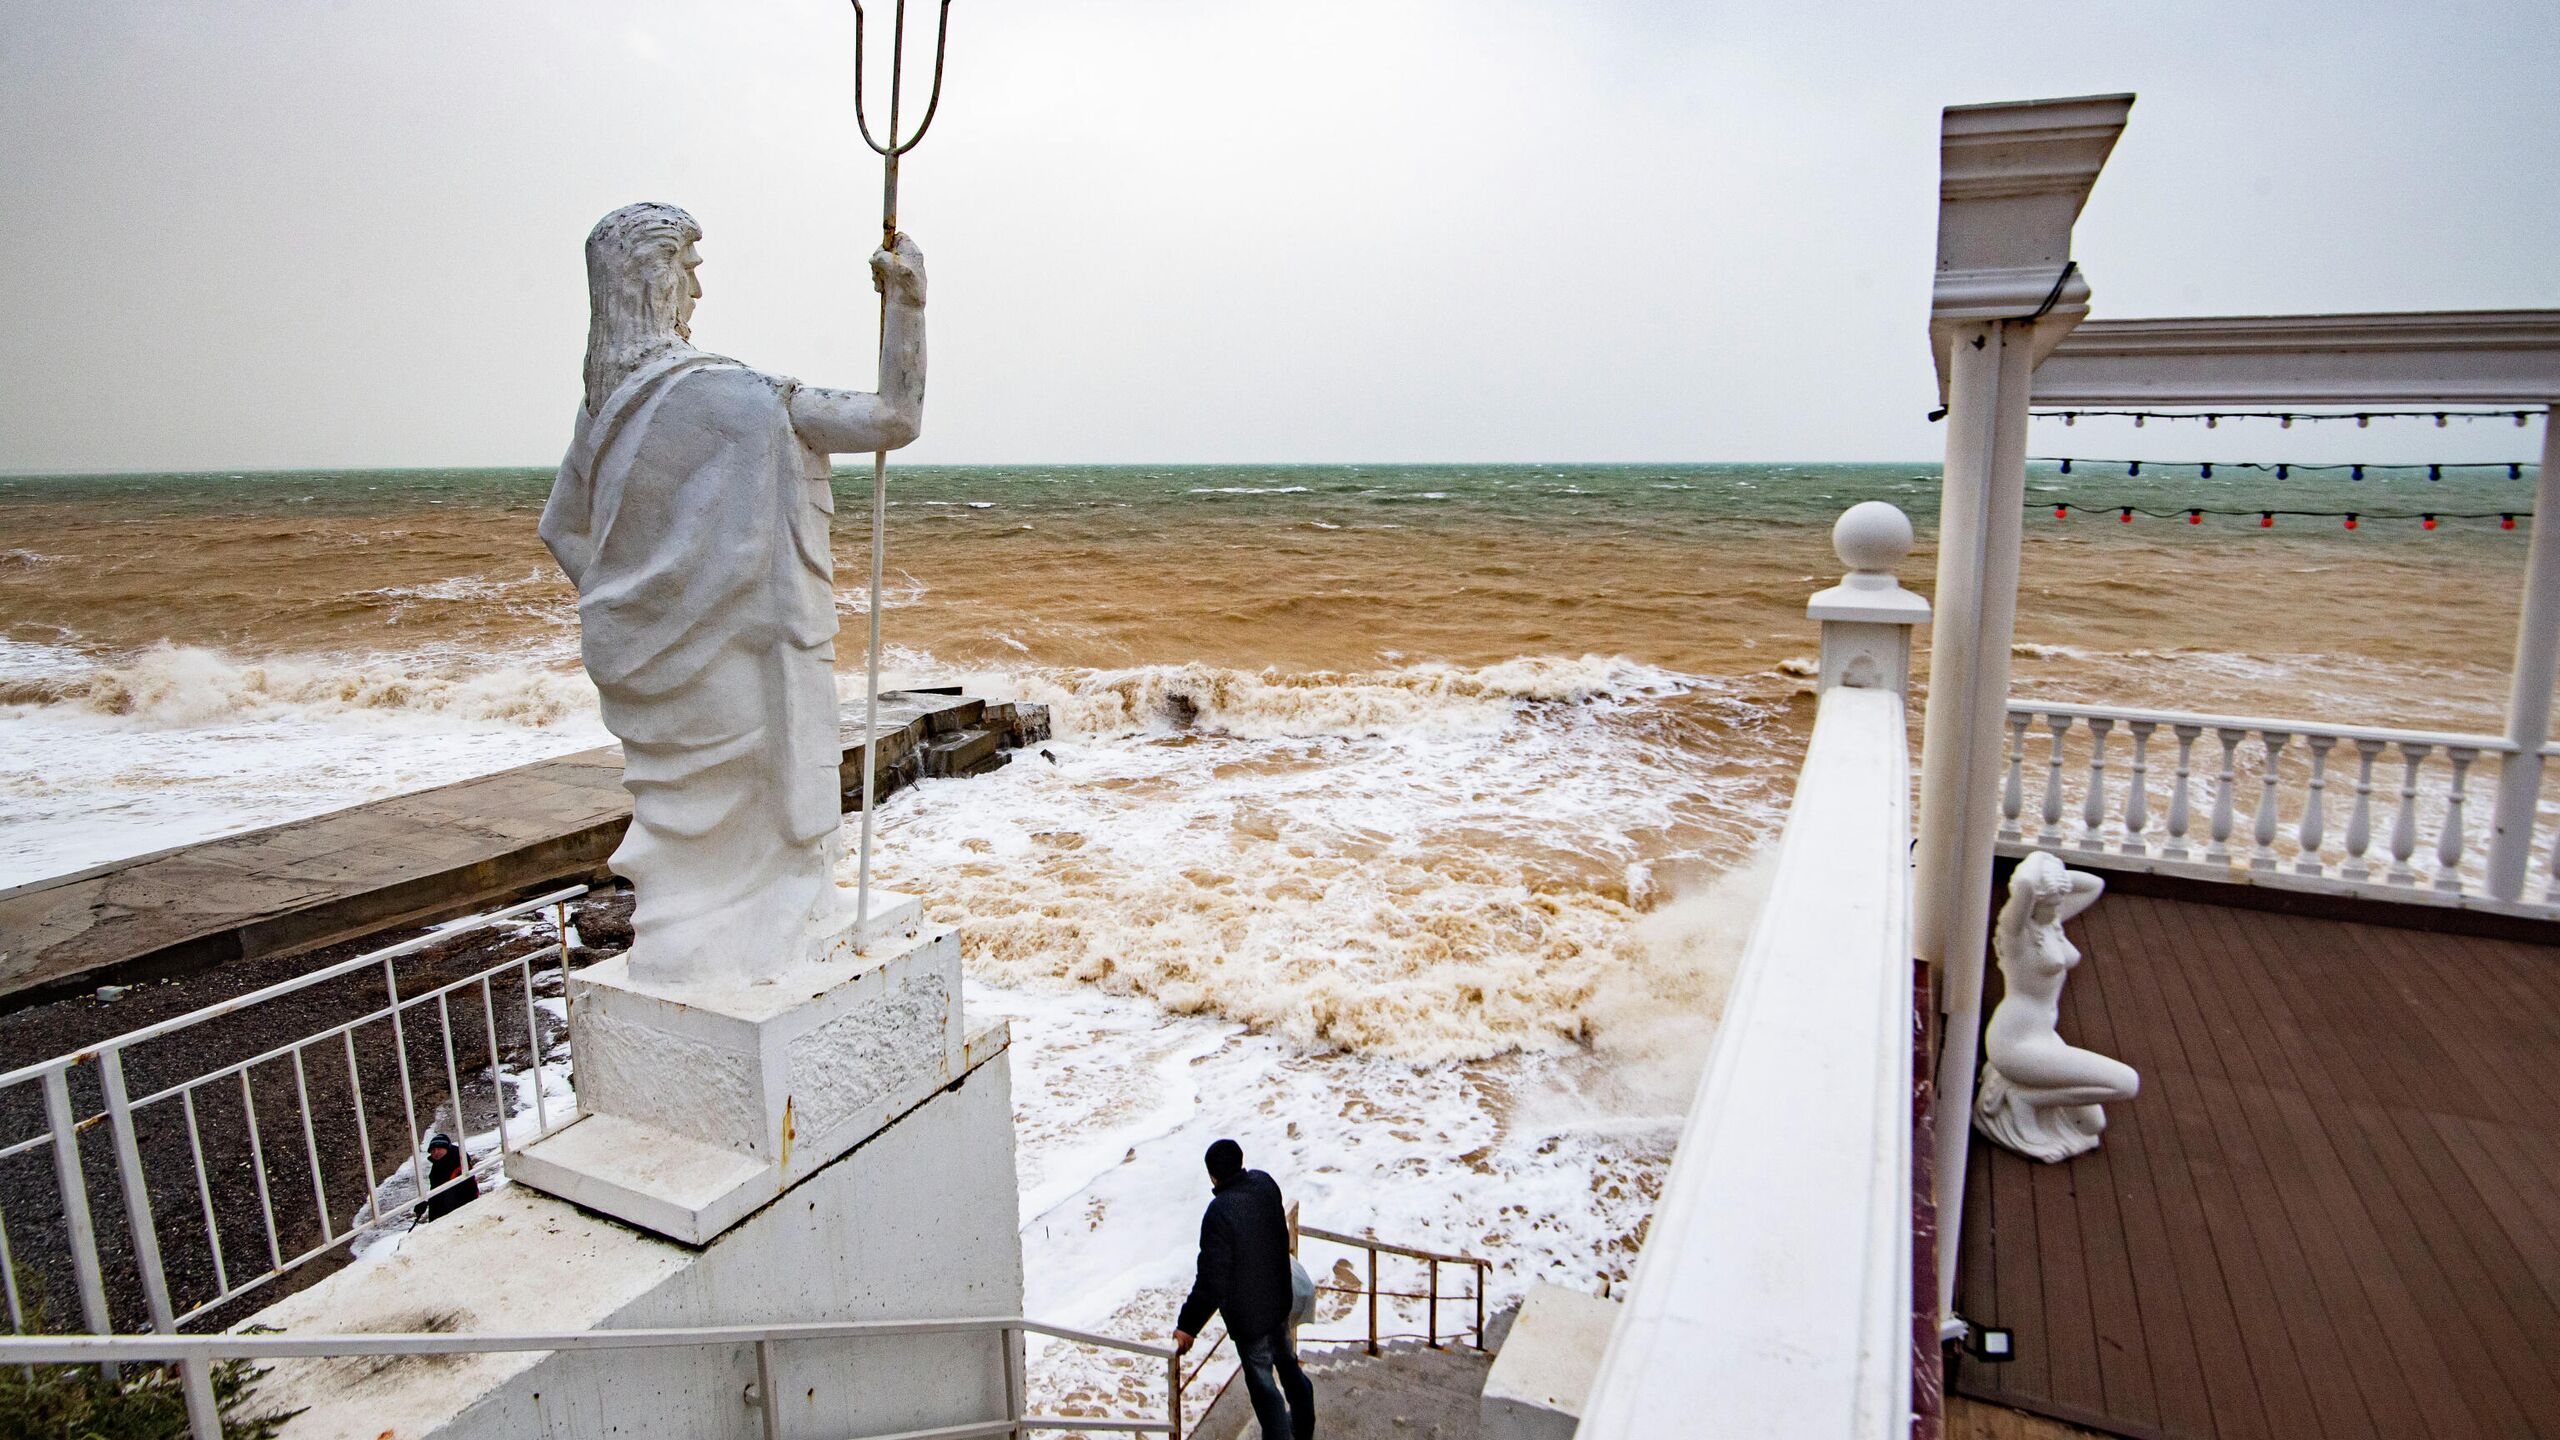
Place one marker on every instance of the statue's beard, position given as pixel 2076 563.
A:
pixel 684 332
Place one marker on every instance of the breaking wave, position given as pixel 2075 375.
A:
pixel 1430 863
pixel 188 685
pixel 1273 704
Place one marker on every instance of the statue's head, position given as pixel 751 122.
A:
pixel 640 290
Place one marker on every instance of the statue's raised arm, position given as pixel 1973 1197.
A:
pixel 691 512
pixel 842 422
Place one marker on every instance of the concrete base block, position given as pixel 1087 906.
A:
pixel 700 1103
pixel 1544 1373
pixel 918 1222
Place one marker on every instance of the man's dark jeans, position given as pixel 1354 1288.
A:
pixel 1292 1418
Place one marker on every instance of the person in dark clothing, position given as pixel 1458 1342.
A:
pixel 445 1161
pixel 1244 1275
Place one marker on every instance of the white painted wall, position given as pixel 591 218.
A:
pixel 1774 1295
pixel 918 1223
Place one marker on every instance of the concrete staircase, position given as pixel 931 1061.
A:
pixel 1408 1391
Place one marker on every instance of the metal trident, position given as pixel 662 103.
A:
pixel 888 152
pixel 896 147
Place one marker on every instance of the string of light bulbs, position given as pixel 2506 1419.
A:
pixel 2284 469
pixel 2194 514
pixel 2213 418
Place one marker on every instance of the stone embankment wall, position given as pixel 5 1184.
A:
pixel 411 859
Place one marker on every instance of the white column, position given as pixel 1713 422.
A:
pixel 2529 695
pixel 1977 604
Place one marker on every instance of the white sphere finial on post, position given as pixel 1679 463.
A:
pixel 1871 538
pixel 1867 617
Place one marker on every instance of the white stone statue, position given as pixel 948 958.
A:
pixel 2040 1095
pixel 691 513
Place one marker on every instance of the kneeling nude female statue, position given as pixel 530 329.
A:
pixel 691 513
pixel 2040 1094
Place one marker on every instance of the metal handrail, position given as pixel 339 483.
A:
pixel 433 937
pixel 62 1130
pixel 1375 1247
pixel 208 1349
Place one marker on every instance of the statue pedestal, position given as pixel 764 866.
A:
pixel 699 1104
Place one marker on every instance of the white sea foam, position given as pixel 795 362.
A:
pixel 1428 863
pixel 1418 936
pixel 1547 1164
pixel 1248 490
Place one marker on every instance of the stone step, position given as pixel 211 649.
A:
pixel 1408 1391
pixel 962 752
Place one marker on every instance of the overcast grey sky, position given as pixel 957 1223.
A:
pixel 291 233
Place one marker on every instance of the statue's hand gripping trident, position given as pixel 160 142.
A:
pixel 898 266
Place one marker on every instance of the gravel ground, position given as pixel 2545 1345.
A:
pixel 340 1134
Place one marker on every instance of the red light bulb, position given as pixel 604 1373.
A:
pixel 2266 520
pixel 2429 523
pixel 2125 516
pixel 2195 517
pixel 2061 512
pixel 2351 522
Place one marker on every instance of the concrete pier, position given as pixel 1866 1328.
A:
pixel 410 859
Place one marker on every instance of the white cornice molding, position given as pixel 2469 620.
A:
pixel 2027 147
pixel 2011 180
pixel 2446 357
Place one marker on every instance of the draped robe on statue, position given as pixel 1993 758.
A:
pixel 693 520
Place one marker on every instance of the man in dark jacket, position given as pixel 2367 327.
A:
pixel 1244 1275
pixel 446 1162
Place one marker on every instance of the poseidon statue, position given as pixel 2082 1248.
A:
pixel 691 513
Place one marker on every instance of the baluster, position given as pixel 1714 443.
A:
pixel 2013 798
pixel 2093 807
pixel 2404 828
pixel 2360 822
pixel 2137 800
pixel 2051 833
pixel 2219 852
pixel 2450 842
pixel 2315 821
pixel 2176 849
pixel 2264 831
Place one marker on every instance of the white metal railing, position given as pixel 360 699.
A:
pixel 200 1351
pixel 1775 1292
pixel 2283 802
pixel 229 1094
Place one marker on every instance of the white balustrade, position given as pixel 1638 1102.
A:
pixel 1775 1292
pixel 2288 836
pixel 2137 807
pixel 2314 827
pixel 2219 852
pixel 2093 810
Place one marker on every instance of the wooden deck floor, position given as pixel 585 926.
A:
pixel 2334 1210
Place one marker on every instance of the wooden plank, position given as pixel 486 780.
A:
pixel 2021 1277
pixel 2480 1262
pixel 2339 1001
pixel 2219 1162
pixel 1977 1260
pixel 2355 1279
pixel 2316 1290
pixel 2115 1307
pixel 2335 1208
pixel 2224 1386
